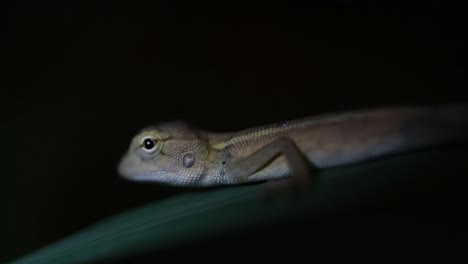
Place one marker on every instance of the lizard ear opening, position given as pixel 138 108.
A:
pixel 188 160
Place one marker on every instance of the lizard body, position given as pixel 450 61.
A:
pixel 176 153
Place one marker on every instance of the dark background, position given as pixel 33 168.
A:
pixel 82 78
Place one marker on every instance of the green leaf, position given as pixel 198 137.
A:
pixel 195 216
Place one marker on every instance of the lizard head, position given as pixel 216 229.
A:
pixel 170 153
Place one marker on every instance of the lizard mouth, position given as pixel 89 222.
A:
pixel 138 175
pixel 132 169
pixel 128 170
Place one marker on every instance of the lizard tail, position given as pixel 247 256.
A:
pixel 444 124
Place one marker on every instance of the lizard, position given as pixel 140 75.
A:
pixel 179 154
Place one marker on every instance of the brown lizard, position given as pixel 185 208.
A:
pixel 176 153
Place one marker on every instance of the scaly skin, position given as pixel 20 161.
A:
pixel 175 153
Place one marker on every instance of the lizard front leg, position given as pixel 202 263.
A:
pixel 300 167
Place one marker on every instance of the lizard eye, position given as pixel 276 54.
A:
pixel 149 144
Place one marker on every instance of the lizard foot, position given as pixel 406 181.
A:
pixel 289 186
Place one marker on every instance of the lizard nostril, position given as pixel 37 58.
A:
pixel 188 160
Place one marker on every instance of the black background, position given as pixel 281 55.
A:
pixel 81 78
